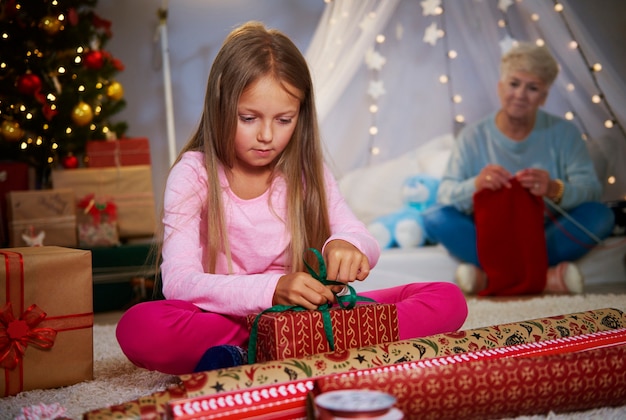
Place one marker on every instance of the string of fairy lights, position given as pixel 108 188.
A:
pixel 436 30
pixel 594 69
pixel 375 61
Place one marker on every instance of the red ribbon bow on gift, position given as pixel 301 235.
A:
pixel 97 209
pixel 17 334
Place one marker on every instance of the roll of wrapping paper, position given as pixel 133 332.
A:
pixel 245 376
pixel 564 375
pixel 288 370
pixel 415 386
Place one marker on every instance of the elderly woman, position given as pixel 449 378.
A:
pixel 542 153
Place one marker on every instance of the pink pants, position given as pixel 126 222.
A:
pixel 171 336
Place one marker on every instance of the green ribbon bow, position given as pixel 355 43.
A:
pixel 347 301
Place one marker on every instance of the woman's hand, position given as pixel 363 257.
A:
pixel 492 177
pixel 301 289
pixel 537 181
pixel 345 263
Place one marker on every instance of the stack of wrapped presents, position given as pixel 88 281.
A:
pixel 105 203
pixel 114 193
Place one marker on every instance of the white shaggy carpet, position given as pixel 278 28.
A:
pixel 117 380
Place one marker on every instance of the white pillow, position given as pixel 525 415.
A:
pixel 377 190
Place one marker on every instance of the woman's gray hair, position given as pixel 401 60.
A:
pixel 530 58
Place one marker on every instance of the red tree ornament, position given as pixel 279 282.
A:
pixel 28 84
pixel 70 161
pixel 94 60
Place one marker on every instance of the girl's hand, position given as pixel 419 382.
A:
pixel 301 289
pixel 536 180
pixel 345 263
pixel 492 177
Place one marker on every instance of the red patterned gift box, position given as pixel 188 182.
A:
pixel 561 375
pixel 288 334
pixel 46 319
pixel 122 152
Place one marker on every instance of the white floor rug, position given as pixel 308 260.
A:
pixel 117 380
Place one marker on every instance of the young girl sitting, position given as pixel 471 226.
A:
pixel 248 195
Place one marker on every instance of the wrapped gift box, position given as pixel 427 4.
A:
pixel 563 375
pixel 42 217
pixel 130 188
pixel 46 293
pixel 122 152
pixel 288 334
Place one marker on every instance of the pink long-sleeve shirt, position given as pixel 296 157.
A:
pixel 258 239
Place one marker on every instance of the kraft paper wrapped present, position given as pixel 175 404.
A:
pixel 296 370
pixel 130 187
pixel 289 334
pixel 46 319
pixel 42 217
pixel 561 375
pixel 120 152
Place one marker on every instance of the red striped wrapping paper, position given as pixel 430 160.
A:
pixel 562 375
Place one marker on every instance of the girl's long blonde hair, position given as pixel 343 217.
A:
pixel 248 53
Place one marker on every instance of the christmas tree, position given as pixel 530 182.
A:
pixel 57 82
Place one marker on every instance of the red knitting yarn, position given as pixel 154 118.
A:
pixel 511 242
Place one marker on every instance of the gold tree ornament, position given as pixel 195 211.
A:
pixel 50 24
pixel 115 91
pixel 11 130
pixel 82 114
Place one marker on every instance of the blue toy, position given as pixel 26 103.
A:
pixel 405 227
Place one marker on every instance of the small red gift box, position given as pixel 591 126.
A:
pixel 46 318
pixel 122 152
pixel 289 334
